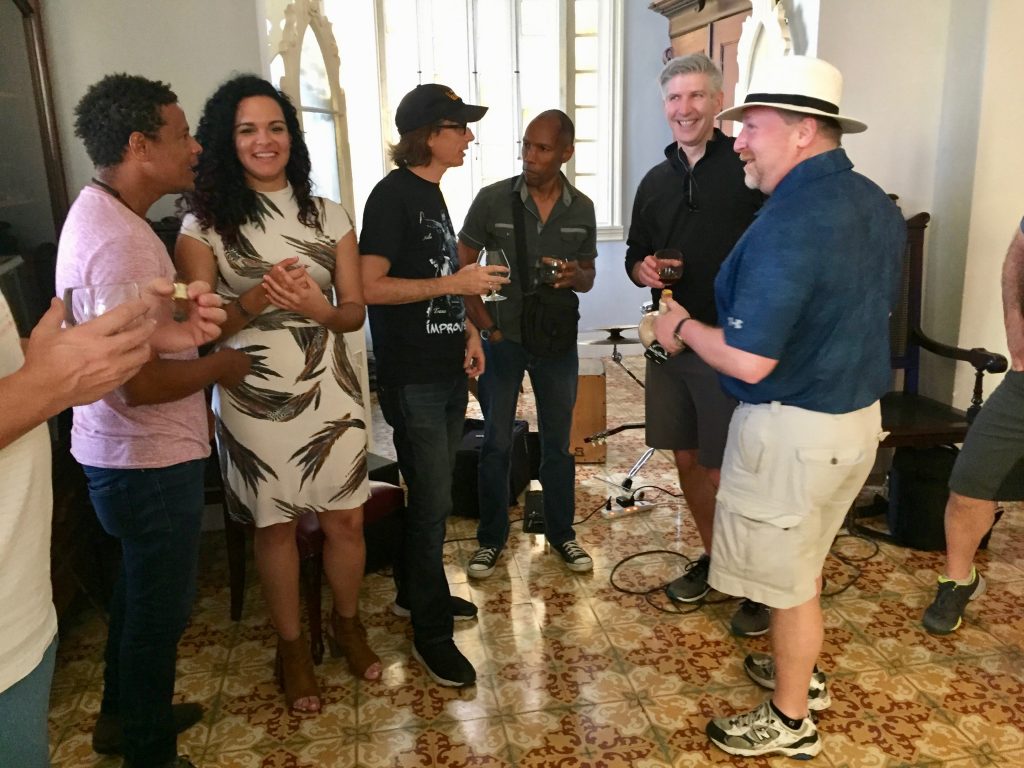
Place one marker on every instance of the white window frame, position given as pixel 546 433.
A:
pixel 611 91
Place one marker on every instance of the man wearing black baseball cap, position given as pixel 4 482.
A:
pixel 425 348
pixel 432 103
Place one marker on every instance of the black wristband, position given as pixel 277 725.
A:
pixel 675 333
pixel 242 310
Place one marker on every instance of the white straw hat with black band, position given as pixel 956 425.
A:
pixel 798 84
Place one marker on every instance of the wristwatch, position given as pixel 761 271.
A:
pixel 485 333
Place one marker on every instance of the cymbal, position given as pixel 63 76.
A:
pixel 615 330
pixel 611 341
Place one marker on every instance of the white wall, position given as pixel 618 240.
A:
pixel 915 83
pixel 191 44
pixel 996 204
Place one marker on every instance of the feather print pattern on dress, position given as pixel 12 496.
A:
pixel 270 404
pixel 250 467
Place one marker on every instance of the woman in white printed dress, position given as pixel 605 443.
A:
pixel 291 437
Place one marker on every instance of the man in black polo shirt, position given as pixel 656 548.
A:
pixel 558 229
pixel 694 201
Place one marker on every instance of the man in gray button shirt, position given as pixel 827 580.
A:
pixel 560 236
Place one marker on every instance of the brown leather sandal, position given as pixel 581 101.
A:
pixel 348 638
pixel 293 669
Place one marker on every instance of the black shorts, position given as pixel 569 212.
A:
pixel 991 464
pixel 686 408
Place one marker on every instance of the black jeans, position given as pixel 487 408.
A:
pixel 427 420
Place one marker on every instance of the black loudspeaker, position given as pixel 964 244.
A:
pixel 918 492
pixel 465 500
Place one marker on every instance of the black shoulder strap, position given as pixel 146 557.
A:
pixel 519 223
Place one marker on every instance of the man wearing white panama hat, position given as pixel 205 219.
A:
pixel 804 301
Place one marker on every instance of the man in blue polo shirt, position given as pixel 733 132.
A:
pixel 804 301
pixel 559 234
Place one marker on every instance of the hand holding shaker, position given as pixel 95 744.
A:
pixel 653 350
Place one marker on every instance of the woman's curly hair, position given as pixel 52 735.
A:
pixel 116 107
pixel 222 200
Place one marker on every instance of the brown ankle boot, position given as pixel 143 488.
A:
pixel 348 638
pixel 293 668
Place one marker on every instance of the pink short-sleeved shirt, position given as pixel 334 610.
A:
pixel 104 242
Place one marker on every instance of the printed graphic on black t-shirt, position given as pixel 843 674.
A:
pixel 445 314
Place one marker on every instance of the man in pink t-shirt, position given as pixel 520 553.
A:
pixel 142 447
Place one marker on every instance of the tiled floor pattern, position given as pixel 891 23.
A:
pixel 573 672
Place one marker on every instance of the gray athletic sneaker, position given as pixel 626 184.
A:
pixel 946 613
pixel 751 619
pixel 693 584
pixel 761 732
pixel 760 667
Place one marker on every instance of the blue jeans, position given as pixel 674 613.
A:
pixel 554 389
pixel 24 739
pixel 156 514
pixel 427 420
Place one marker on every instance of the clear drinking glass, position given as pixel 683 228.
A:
pixel 87 302
pixel 493 257
pixel 548 269
pixel 670 265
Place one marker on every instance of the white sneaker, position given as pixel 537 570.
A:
pixel 760 667
pixel 761 732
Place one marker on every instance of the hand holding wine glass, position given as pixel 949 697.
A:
pixel 493 257
pixel 670 265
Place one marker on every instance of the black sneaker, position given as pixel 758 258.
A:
pixel 946 613
pixel 445 663
pixel 181 761
pixel 481 564
pixel 760 667
pixel 575 556
pixel 108 735
pixel 462 610
pixel 693 584
pixel 751 619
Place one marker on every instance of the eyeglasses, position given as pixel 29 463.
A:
pixel 460 127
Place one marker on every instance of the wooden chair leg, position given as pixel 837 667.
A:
pixel 234 535
pixel 311 570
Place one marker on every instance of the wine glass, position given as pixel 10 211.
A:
pixel 670 265
pixel 87 302
pixel 493 257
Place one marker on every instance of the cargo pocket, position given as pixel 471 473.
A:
pixel 823 471
pixel 751 485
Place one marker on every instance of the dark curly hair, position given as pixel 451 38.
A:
pixel 113 109
pixel 221 199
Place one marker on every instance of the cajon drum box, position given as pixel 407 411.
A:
pixel 589 416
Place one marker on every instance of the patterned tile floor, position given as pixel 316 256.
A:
pixel 573 672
